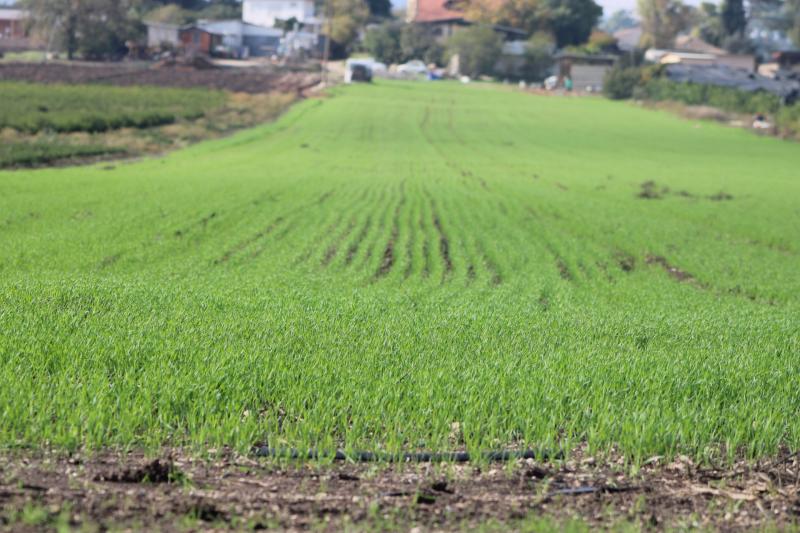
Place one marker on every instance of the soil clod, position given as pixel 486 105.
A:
pixel 673 271
pixel 154 472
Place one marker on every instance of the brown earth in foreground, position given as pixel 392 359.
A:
pixel 232 492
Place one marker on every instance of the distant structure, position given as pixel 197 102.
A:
pixel 438 11
pixel 587 72
pixel 763 29
pixel 628 39
pixel 446 19
pixel 225 38
pixel 13 30
pixel 269 13
pixel 269 28
pixel 690 50
pixel 12 23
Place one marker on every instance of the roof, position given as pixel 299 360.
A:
pixel 165 25
pixel 436 11
pixel 594 59
pixel 724 76
pixel 444 10
pixel 688 43
pixel 12 14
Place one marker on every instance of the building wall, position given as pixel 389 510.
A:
pixel 158 35
pixel 261 46
pixel 267 12
pixel 12 29
pixel 586 76
pixel 197 41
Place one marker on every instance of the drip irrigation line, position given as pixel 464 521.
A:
pixel 499 456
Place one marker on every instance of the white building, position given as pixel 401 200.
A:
pixel 245 40
pixel 267 13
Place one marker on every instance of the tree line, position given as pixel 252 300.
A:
pixel 105 29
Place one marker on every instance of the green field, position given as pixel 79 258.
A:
pixel 31 108
pixel 381 264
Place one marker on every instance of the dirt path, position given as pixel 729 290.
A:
pixel 229 492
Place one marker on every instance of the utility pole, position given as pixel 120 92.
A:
pixel 327 54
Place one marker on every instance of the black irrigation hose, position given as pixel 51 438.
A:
pixel 499 456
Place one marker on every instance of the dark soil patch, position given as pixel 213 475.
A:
pixel 444 244
pixel 426 267
pixel 110 261
pixel 325 197
pixel 388 253
pixel 388 259
pixel 720 197
pixel 234 492
pixel 154 472
pixel 241 80
pixel 202 223
pixel 650 191
pixel 563 269
pixel 673 271
pixel 249 241
pixel 353 250
pixel 330 253
pixel 333 249
pixel 625 261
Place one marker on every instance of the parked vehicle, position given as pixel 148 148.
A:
pixel 358 70
pixel 413 67
pixel 360 73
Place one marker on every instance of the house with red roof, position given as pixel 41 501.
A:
pixel 446 18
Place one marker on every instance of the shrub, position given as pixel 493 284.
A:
pixel 620 82
pixel 538 58
pixel 725 98
pixel 418 41
pixel 383 43
pixel 478 49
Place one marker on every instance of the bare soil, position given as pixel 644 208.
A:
pixel 242 80
pixel 225 491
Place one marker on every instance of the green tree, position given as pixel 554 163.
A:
pixel 792 9
pixel 97 29
pixel 709 25
pixel 663 20
pixel 417 41
pixel 346 18
pixel 733 17
pixel 106 27
pixel 478 49
pixel 621 19
pixel 380 8
pixel 383 43
pixel 572 21
pixel 538 57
